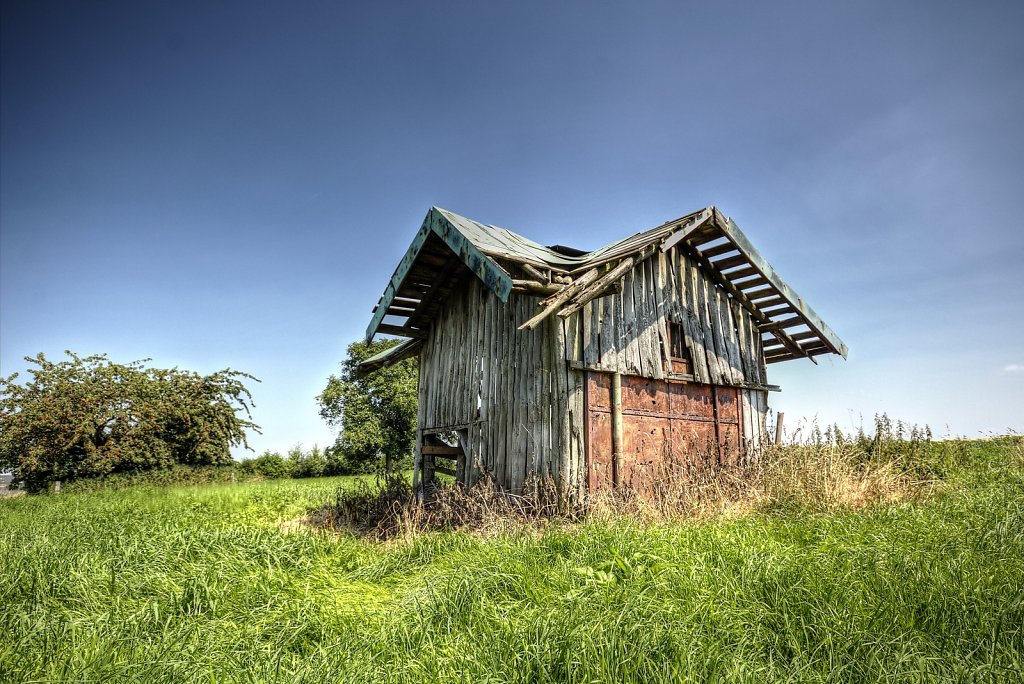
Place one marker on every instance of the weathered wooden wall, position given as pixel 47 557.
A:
pixel 510 390
pixel 519 394
pixel 627 332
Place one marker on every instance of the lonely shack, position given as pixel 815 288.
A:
pixel 598 369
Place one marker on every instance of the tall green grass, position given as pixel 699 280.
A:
pixel 214 584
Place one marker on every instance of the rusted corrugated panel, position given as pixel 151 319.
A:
pixel 666 425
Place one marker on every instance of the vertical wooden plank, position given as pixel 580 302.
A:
pixel 677 299
pixel 568 331
pixel 512 450
pixel 608 337
pixel 519 452
pixel 428 384
pixel 753 365
pixel 628 345
pixel 478 441
pixel 542 352
pixel 654 339
pixel 560 414
pixel 749 437
pixel 701 311
pixel 589 322
pixel 695 332
pixel 646 331
pixel 459 361
pixel 642 334
pixel 731 340
pixel 479 367
pixel 711 304
pixel 558 465
pixel 515 447
pixel 721 347
pixel 463 369
pixel 663 292
pixel 742 340
pixel 640 319
pixel 578 419
pixel 498 416
pixel 535 385
pixel 540 422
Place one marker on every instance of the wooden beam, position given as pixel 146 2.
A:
pixel 689 230
pixel 534 273
pixel 606 281
pixel 718 250
pixel 759 316
pixel 754 295
pixel 747 284
pixel 731 262
pixel 389 357
pixel 791 322
pixel 743 273
pixel 389 329
pixel 556 302
pixel 441 450
pixel 766 304
pixel 536 287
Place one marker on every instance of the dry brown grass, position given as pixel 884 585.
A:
pixel 828 472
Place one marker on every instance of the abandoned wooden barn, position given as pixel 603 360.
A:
pixel 597 369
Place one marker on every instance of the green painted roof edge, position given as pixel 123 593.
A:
pixel 437 222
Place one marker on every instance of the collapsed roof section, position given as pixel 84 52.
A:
pixel 449 247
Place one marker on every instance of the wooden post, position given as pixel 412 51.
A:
pixel 417 463
pixel 616 403
pixel 778 427
pixel 460 460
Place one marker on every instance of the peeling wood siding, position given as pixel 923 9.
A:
pixel 626 332
pixel 510 390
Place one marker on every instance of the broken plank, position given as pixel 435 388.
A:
pixel 556 302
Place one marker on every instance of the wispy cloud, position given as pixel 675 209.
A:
pixel 1014 368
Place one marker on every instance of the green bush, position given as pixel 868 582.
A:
pixel 88 417
pixel 269 464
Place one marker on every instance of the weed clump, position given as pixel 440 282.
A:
pixel 393 508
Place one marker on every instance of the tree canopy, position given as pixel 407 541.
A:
pixel 376 413
pixel 88 416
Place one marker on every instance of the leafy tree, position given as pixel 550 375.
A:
pixel 376 412
pixel 88 416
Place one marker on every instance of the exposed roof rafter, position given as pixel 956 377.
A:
pixel 448 247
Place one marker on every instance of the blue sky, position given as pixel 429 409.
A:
pixel 231 184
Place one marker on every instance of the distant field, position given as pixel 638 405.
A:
pixel 213 584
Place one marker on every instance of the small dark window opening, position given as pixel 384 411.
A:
pixel 677 350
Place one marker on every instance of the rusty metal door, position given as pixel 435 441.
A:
pixel 664 424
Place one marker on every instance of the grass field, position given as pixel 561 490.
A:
pixel 210 584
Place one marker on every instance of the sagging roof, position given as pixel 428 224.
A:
pixel 448 247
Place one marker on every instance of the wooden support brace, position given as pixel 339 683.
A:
pixel 536 287
pixel 603 283
pixel 691 228
pixel 555 303
pixel 534 273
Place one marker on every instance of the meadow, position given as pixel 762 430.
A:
pixel 224 583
